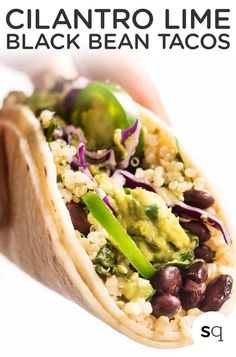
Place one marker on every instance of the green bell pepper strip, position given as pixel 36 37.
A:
pixel 99 109
pixel 117 234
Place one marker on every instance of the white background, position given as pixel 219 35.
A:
pixel 198 90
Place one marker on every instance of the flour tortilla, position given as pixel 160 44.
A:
pixel 36 231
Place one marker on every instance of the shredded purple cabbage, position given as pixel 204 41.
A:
pixel 130 139
pixel 58 133
pixel 126 133
pixel 132 182
pixel 201 215
pixel 69 130
pixel 82 164
pixel 106 201
pixel 104 158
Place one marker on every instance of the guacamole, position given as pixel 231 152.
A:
pixel 149 222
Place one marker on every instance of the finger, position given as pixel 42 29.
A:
pixel 44 68
pixel 126 72
pixel 123 70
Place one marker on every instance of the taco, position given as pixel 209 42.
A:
pixel 100 203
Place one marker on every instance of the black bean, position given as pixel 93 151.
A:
pixel 191 294
pixel 204 252
pixel 217 292
pixel 165 305
pixel 78 217
pixel 197 198
pixel 167 280
pixel 198 272
pixel 197 228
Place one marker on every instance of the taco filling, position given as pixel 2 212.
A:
pixel 143 214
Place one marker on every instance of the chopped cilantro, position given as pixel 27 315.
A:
pixel 152 211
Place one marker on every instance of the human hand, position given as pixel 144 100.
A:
pixel 124 71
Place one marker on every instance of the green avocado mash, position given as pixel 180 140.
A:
pixel 136 288
pixel 151 224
